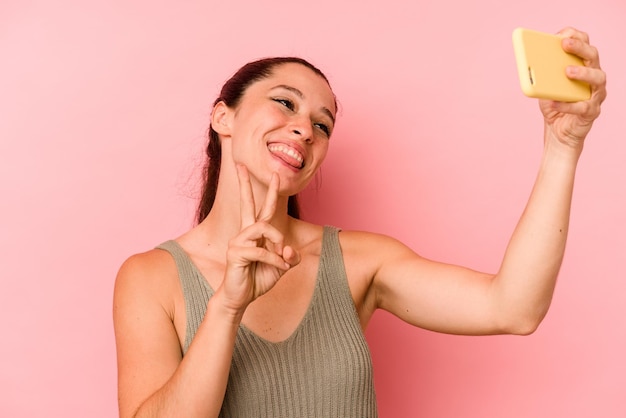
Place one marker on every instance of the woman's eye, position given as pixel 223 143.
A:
pixel 285 102
pixel 324 128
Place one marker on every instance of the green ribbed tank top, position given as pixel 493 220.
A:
pixel 323 369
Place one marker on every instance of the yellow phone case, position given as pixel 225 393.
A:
pixel 541 63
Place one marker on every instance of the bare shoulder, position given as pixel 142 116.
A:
pixel 147 268
pixel 375 247
pixel 148 277
pixel 151 261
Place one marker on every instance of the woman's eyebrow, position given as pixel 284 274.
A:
pixel 298 93
pixel 294 90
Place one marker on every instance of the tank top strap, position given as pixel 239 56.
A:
pixel 332 265
pixel 196 290
pixel 334 285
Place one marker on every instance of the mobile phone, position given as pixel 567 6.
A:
pixel 541 63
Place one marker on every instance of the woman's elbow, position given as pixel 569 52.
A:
pixel 525 328
pixel 521 321
pixel 524 324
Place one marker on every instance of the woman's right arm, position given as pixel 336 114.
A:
pixel 154 379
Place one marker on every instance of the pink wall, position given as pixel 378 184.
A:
pixel 103 108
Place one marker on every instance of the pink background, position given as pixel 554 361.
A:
pixel 103 110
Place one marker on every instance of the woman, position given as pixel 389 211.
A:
pixel 256 313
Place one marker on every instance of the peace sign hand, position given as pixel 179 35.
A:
pixel 257 257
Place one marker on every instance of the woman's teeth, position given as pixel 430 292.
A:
pixel 294 158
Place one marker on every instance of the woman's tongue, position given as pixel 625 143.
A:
pixel 287 154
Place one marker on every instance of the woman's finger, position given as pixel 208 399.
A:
pixel 595 77
pixel 291 256
pixel 577 43
pixel 588 53
pixel 246 197
pixel 260 232
pixel 269 206
pixel 570 32
pixel 247 255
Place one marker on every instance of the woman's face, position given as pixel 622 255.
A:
pixel 283 124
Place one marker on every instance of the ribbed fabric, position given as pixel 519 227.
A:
pixel 323 369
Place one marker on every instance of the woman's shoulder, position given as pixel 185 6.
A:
pixel 372 249
pixel 151 273
pixel 148 263
pixel 360 240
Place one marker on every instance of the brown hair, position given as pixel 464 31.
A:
pixel 231 95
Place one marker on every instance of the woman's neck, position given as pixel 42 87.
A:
pixel 224 220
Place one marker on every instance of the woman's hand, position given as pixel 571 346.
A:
pixel 569 123
pixel 257 256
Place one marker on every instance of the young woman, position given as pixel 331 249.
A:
pixel 256 313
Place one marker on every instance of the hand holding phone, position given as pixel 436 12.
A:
pixel 541 63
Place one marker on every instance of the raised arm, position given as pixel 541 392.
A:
pixel 515 300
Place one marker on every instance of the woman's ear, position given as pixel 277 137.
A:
pixel 221 119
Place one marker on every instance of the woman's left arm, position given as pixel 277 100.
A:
pixel 516 299
pixel 526 280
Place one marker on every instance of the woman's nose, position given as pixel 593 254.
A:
pixel 303 129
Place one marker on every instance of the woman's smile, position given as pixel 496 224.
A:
pixel 288 154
